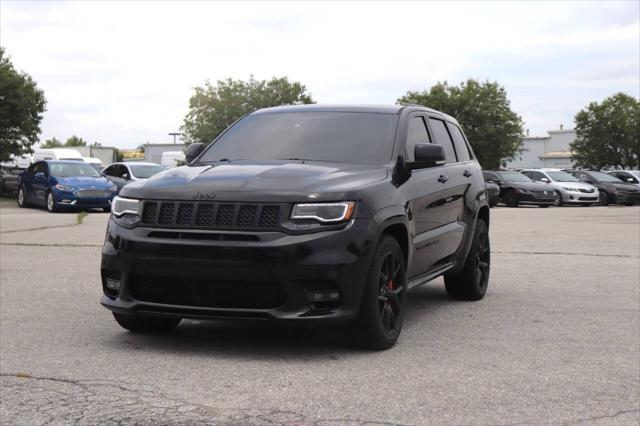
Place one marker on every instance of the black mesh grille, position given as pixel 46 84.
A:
pixel 225 215
pixel 211 215
pixel 149 212
pixel 185 214
pixel 247 216
pixel 269 216
pixel 166 214
pixel 204 217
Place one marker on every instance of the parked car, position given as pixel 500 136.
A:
pixel 64 184
pixel 171 159
pixel 629 176
pixel 493 190
pixel 124 173
pixel 57 154
pixel 611 189
pixel 96 163
pixel 568 188
pixel 303 214
pixel 9 177
pixel 516 189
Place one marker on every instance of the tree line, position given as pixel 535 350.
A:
pixel 608 133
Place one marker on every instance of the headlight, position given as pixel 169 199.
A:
pixel 67 188
pixel 614 189
pixel 324 212
pixel 524 191
pixel 120 206
pixel 570 188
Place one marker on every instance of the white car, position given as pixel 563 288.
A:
pixel 630 176
pixel 172 158
pixel 95 162
pixel 568 188
pixel 124 173
pixel 56 154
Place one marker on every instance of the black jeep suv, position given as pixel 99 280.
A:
pixel 307 214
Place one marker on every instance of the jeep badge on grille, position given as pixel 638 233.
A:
pixel 204 196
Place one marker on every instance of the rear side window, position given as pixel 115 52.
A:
pixel 462 149
pixel 535 175
pixel 490 176
pixel 416 134
pixel 441 137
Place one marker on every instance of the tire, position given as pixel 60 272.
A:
pixel 382 309
pixel 50 202
pixel 472 281
pixel 22 200
pixel 586 205
pixel 106 209
pixel 558 201
pixel 145 324
pixel 628 204
pixel 511 199
pixel 603 199
pixel 544 206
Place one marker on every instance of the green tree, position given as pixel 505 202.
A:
pixel 213 108
pixel 75 141
pixel 118 156
pixel 22 104
pixel 608 133
pixel 484 112
pixel 51 143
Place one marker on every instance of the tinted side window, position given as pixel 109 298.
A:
pixel 536 175
pixel 441 137
pixel 490 176
pixel 458 140
pixel 109 171
pixel 416 134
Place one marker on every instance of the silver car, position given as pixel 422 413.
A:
pixel 124 173
pixel 568 188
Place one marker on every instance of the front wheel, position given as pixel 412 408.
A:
pixel 51 202
pixel 558 201
pixel 22 201
pixel 472 281
pixel 145 324
pixel 383 303
pixel 511 199
pixel 603 199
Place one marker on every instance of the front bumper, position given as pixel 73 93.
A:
pixel 528 198
pixel 237 275
pixel 65 199
pixel 627 197
pixel 572 197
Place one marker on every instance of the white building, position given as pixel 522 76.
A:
pixel 548 151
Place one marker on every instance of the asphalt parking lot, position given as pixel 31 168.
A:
pixel 555 341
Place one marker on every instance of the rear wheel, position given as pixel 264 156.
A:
pixel 603 199
pixel 511 199
pixel 472 281
pixel 145 324
pixel 384 299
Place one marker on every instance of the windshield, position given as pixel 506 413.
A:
pixel 70 169
pixel 341 137
pixel 514 177
pixel 144 171
pixel 562 177
pixel 603 177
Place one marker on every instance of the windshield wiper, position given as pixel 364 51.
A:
pixel 303 159
pixel 222 160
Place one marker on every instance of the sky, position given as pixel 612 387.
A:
pixel 122 73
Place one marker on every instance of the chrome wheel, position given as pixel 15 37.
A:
pixel 558 200
pixel 21 197
pixel 50 202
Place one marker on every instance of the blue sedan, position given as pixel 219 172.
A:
pixel 65 184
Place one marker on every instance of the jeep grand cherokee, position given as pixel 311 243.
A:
pixel 306 214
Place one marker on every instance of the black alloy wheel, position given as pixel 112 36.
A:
pixel 603 199
pixel 472 281
pixel 390 287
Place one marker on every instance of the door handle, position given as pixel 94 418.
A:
pixel 467 173
pixel 443 179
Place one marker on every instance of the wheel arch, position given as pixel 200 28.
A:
pixel 401 234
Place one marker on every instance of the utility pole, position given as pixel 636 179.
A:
pixel 174 134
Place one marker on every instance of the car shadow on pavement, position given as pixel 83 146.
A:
pixel 269 340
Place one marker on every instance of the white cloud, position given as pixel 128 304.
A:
pixel 122 73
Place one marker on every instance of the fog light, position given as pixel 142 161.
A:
pixel 322 296
pixel 112 284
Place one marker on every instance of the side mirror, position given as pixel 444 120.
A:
pixel 192 151
pixel 40 175
pixel 427 155
pixel 125 176
pixel 545 180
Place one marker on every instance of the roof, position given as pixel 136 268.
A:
pixel 128 163
pixel 78 161
pixel 380 109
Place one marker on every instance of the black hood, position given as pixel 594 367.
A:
pixel 271 181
